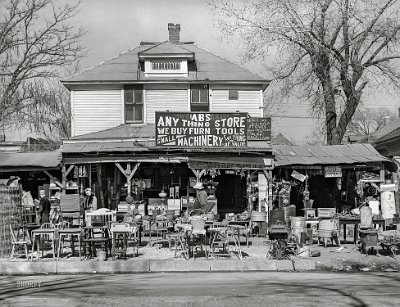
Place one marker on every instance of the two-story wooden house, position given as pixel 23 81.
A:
pixel 114 120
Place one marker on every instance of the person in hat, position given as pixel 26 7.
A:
pixel 201 196
pixel 44 208
pixel 90 201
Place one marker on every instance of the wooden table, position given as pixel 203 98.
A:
pixel 51 232
pixel 356 221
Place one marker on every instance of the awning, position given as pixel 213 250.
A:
pixel 27 161
pixel 228 162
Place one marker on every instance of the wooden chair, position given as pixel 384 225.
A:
pixel 160 228
pixel 198 235
pixel 17 242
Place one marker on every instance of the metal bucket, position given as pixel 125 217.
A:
pixel 288 212
pixel 101 256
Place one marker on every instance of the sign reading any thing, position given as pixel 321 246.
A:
pixel 201 129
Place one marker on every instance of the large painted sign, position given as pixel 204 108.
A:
pixel 259 129
pixel 201 130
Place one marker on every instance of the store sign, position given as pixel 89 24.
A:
pixel 201 130
pixel 333 171
pixel 298 176
pixel 259 129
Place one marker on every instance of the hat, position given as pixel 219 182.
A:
pixel 198 186
pixel 88 189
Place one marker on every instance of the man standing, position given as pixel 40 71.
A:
pixel 201 197
pixel 44 207
pixel 89 203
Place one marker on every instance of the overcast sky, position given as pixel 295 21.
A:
pixel 114 26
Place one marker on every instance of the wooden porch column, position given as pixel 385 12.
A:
pixel 65 173
pixel 128 173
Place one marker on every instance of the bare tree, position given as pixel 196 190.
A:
pixel 327 51
pixel 366 120
pixel 37 41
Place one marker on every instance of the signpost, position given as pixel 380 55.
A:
pixel 201 130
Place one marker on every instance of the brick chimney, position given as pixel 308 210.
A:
pixel 174 32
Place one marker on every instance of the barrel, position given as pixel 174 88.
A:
pixel 258 216
pixel 298 226
pixel 326 227
pixel 288 212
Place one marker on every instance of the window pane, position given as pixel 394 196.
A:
pixel 204 95
pixel 233 95
pixel 195 95
pixel 129 112
pixel 129 96
pixel 199 107
pixel 138 96
pixel 139 112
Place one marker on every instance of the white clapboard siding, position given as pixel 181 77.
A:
pixel 174 100
pixel 96 110
pixel 249 101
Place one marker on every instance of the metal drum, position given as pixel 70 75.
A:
pixel 298 225
pixel 288 212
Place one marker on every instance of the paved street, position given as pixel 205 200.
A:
pixel 203 289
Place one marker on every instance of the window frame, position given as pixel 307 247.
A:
pixel 233 95
pixel 137 90
pixel 199 105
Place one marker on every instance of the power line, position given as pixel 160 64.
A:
pixel 292 116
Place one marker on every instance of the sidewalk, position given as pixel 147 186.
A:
pixel 156 259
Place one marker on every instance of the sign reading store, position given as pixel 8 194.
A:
pixel 216 130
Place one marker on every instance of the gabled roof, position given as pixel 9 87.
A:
pixel 326 155
pixel 125 68
pixel 166 48
pixel 280 139
pixel 120 132
pixel 386 131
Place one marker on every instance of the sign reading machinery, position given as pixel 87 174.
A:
pixel 201 129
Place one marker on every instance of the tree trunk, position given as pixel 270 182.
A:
pixel 330 112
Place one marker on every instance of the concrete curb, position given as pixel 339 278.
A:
pixel 152 265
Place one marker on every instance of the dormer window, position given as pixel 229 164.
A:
pixel 165 65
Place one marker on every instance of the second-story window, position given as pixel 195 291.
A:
pixel 133 103
pixel 199 98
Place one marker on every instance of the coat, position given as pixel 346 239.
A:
pixel 44 210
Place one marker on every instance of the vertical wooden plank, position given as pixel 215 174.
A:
pixel 101 195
